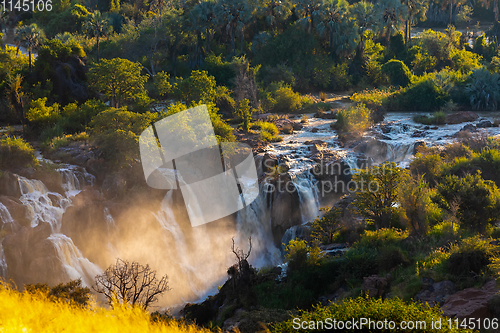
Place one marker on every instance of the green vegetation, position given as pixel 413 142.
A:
pixel 15 153
pixel 353 121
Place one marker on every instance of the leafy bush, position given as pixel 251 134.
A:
pixel 390 257
pixel 300 256
pixel 286 100
pixel 354 120
pixel 465 61
pixel 323 228
pixel 478 199
pixel 398 72
pixel 429 166
pixel 423 95
pixel 40 115
pixel 359 262
pixel 373 98
pixel 376 310
pixel 381 238
pixel 484 90
pixel 198 87
pixel 15 153
pixel 473 255
pixel 376 193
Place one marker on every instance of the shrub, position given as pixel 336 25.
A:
pixel 429 166
pixel 299 255
pixel 323 229
pixel 484 89
pixel 376 193
pixel 198 87
pixel 398 72
pixel 473 255
pixel 286 100
pixel 478 199
pixel 372 98
pixel 423 95
pixel 359 262
pixel 438 118
pixel 390 257
pixel 465 61
pixel 375 309
pixel 354 120
pixel 16 153
pixel 40 115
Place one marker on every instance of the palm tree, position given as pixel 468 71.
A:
pixel 29 36
pixel 451 4
pixel 202 21
pixel 306 10
pixel 416 13
pixel 366 18
pixel 332 21
pixel 232 16
pixel 97 25
pixel 392 13
pixel 275 11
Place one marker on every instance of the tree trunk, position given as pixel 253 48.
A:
pixel 495 9
pixel 29 58
pixel 241 44
pixel 97 42
pixel 451 10
pixel 233 32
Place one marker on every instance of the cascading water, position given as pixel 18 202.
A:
pixel 74 263
pixel 305 183
pixel 5 216
pixel 36 197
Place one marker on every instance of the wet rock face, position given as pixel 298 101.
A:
pixel 285 213
pixel 31 257
pixel 17 211
pixel 9 185
pixel 470 302
pixel 461 117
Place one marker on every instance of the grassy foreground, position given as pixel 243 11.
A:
pixel 22 312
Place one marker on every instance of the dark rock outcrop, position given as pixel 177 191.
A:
pixel 461 117
pixel 470 302
pixel 435 293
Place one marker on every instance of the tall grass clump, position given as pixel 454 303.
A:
pixel 268 131
pixel 438 118
pixel 354 120
pixel 34 312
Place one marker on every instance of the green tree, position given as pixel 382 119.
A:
pixel 198 87
pixel 275 12
pixel 306 9
pixel 377 192
pixel 392 13
pixel 416 10
pixel 332 20
pixel 417 209
pixel 366 19
pixel 323 228
pixel 119 79
pixel 97 25
pixel 31 37
pixel 479 199
pixel 203 22
pixel 245 113
pixel 233 15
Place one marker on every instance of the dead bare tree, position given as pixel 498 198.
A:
pixel 131 282
pixel 241 256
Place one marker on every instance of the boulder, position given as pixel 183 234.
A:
pixel 435 293
pixel 16 210
pixel 9 185
pixel 470 302
pixel 484 124
pixel 31 257
pixel 375 286
pixel 417 145
pixel 469 128
pixel 315 130
pixel 461 117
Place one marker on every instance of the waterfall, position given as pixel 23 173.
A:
pixel 74 179
pixel 35 196
pixel 255 221
pixel 3 263
pixel 74 263
pixel 4 214
pixel 305 183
